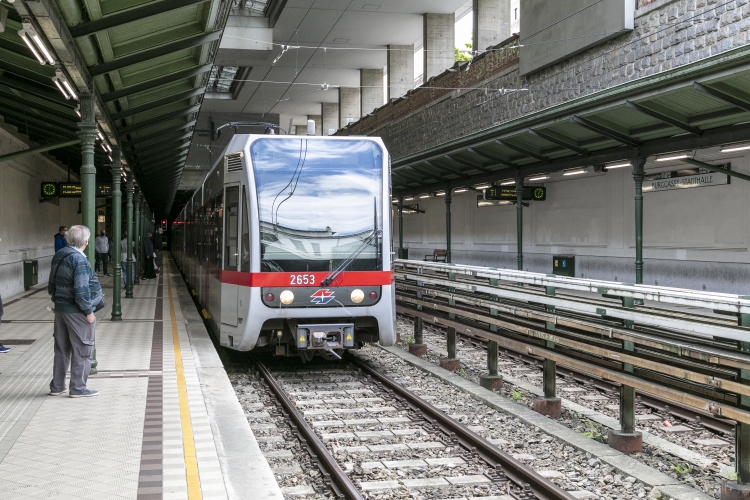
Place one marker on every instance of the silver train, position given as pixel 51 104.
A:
pixel 286 245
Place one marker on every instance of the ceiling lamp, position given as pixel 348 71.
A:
pixel 618 165
pixel 63 85
pixel 574 172
pixel 29 34
pixel 507 183
pixel 678 156
pixel 540 178
pixel 735 147
pixel 483 186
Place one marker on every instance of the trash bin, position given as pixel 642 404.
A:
pixel 564 265
pixel 30 273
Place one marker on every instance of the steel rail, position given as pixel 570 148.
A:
pixel 338 476
pixel 512 468
pixel 678 296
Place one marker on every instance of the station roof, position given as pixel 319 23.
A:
pixel 146 63
pixel 698 105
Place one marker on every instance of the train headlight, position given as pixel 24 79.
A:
pixel 358 296
pixel 286 297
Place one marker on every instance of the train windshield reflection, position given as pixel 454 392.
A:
pixel 318 201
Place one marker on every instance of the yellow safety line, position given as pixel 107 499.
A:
pixel 188 443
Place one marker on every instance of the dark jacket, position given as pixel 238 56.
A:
pixel 60 242
pixel 73 284
pixel 148 248
pixel 157 242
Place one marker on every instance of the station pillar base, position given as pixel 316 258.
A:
pixel 625 442
pixel 733 491
pixel 491 382
pixel 549 407
pixel 418 349
pixel 450 364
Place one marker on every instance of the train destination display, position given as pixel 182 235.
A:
pixel 499 193
pixel 71 190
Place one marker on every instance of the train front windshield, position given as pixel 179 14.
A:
pixel 320 204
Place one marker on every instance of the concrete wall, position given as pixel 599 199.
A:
pixel 693 238
pixel 27 227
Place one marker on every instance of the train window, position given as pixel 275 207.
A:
pixel 231 229
pixel 245 235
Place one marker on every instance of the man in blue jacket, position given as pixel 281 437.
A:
pixel 76 291
pixel 60 241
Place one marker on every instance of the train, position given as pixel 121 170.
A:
pixel 286 245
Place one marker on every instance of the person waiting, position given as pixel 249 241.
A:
pixel 102 251
pixel 60 241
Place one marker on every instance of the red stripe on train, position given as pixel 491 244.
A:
pixel 347 278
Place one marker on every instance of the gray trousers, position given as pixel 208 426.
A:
pixel 74 346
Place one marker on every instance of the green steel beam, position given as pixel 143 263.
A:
pixel 605 131
pixel 442 168
pixel 162 50
pixel 468 164
pixel 713 168
pixel 158 103
pixel 664 118
pixel 156 142
pixel 492 158
pixel 130 15
pixel 37 150
pixel 556 139
pixel 156 82
pixel 171 156
pixel 721 95
pixel 129 129
pixel 522 150
pixel 23 86
pixel 158 148
pixel 156 135
pixel 426 172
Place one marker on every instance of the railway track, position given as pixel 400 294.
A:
pixel 338 411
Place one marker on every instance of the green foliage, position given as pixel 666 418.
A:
pixel 406 341
pixel 681 469
pixel 461 372
pixel 731 475
pixel 593 432
pixel 462 56
pixel 517 394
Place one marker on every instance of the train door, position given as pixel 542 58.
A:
pixel 230 288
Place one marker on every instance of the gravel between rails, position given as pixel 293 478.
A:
pixel 707 479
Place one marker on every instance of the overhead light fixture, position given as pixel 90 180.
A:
pixel 101 137
pixel 38 48
pixel 483 186
pixel 78 110
pixel 441 193
pixel 424 196
pixel 461 190
pixel 507 183
pixel 411 198
pixel 679 156
pixel 540 178
pixel 574 172
pixel 732 149
pixel 618 165
pixel 110 159
pixel 64 86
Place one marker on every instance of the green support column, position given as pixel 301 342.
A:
pixel 401 227
pixel 116 235
pixel 87 132
pixel 448 200
pixel 137 235
pixel 742 452
pixel 638 175
pixel 129 255
pixel 519 220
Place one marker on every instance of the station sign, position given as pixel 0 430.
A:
pixel 685 178
pixel 500 193
pixel 71 190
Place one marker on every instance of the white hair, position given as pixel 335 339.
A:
pixel 77 236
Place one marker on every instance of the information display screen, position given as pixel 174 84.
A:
pixel 71 190
pixel 499 193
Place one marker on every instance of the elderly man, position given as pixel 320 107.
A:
pixel 76 291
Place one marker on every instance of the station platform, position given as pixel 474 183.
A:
pixel 166 424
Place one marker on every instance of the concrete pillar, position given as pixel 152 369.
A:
pixel 330 118
pixel 371 95
pixel 439 38
pixel 116 235
pixel 400 70
pixel 318 119
pixel 87 132
pixel 349 105
pixel 491 23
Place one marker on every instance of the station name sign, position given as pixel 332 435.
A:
pixel 71 190
pixel 499 193
pixel 685 179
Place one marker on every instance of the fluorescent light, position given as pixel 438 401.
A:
pixel 70 89
pixel 442 193
pixel 483 186
pixel 424 196
pixel 101 137
pixel 732 149
pixel 409 199
pixel 31 46
pixel 574 172
pixel 618 165
pixel 540 178
pixel 394 201
pixel 78 113
pixel 675 157
pixel 462 190
pixel 110 158
pixel 507 183
pixel 62 90
pixel 44 50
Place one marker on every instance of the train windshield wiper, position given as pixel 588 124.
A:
pixel 365 243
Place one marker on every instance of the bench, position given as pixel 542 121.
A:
pixel 436 256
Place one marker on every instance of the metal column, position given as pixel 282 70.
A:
pixel 401 227
pixel 519 220
pixel 87 132
pixel 116 235
pixel 448 200
pixel 137 235
pixel 638 175
pixel 128 252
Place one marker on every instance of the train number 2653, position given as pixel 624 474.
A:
pixel 303 279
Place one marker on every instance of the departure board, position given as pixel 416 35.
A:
pixel 71 190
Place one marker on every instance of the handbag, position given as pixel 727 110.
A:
pixel 98 307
